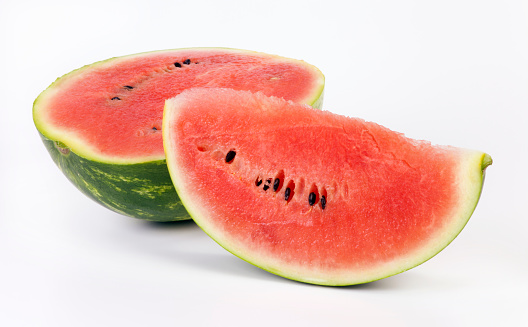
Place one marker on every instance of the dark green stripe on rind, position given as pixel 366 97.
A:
pixel 142 190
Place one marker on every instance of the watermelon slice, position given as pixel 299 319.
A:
pixel 313 196
pixel 102 123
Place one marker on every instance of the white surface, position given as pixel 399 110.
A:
pixel 452 72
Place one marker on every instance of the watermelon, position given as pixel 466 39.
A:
pixel 102 123
pixel 313 196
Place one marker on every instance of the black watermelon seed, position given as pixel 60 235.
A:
pixel 129 87
pixel 116 98
pixel 267 185
pixel 311 199
pixel 276 184
pixel 154 128
pixel 287 194
pixel 177 64
pixel 187 61
pixel 323 202
pixel 258 182
pixel 230 156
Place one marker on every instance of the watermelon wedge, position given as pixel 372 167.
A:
pixel 102 123
pixel 313 196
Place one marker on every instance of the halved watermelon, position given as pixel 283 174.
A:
pixel 313 196
pixel 102 123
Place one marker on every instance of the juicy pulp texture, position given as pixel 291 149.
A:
pixel 102 123
pixel 311 195
pixel 112 111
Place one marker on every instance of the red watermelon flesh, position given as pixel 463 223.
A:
pixel 102 123
pixel 314 196
pixel 113 110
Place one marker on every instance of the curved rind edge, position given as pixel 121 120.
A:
pixel 477 163
pixel 472 176
pixel 143 191
pixel 472 172
pixel 149 206
pixel 81 148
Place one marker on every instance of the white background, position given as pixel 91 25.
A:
pixel 452 72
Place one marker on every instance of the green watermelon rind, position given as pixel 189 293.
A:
pixel 470 180
pixel 418 259
pixel 142 190
pixel 137 188
pixel 471 190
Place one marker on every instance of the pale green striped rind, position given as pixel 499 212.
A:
pixel 142 190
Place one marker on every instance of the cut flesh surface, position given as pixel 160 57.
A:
pixel 314 196
pixel 111 111
pixel 102 123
